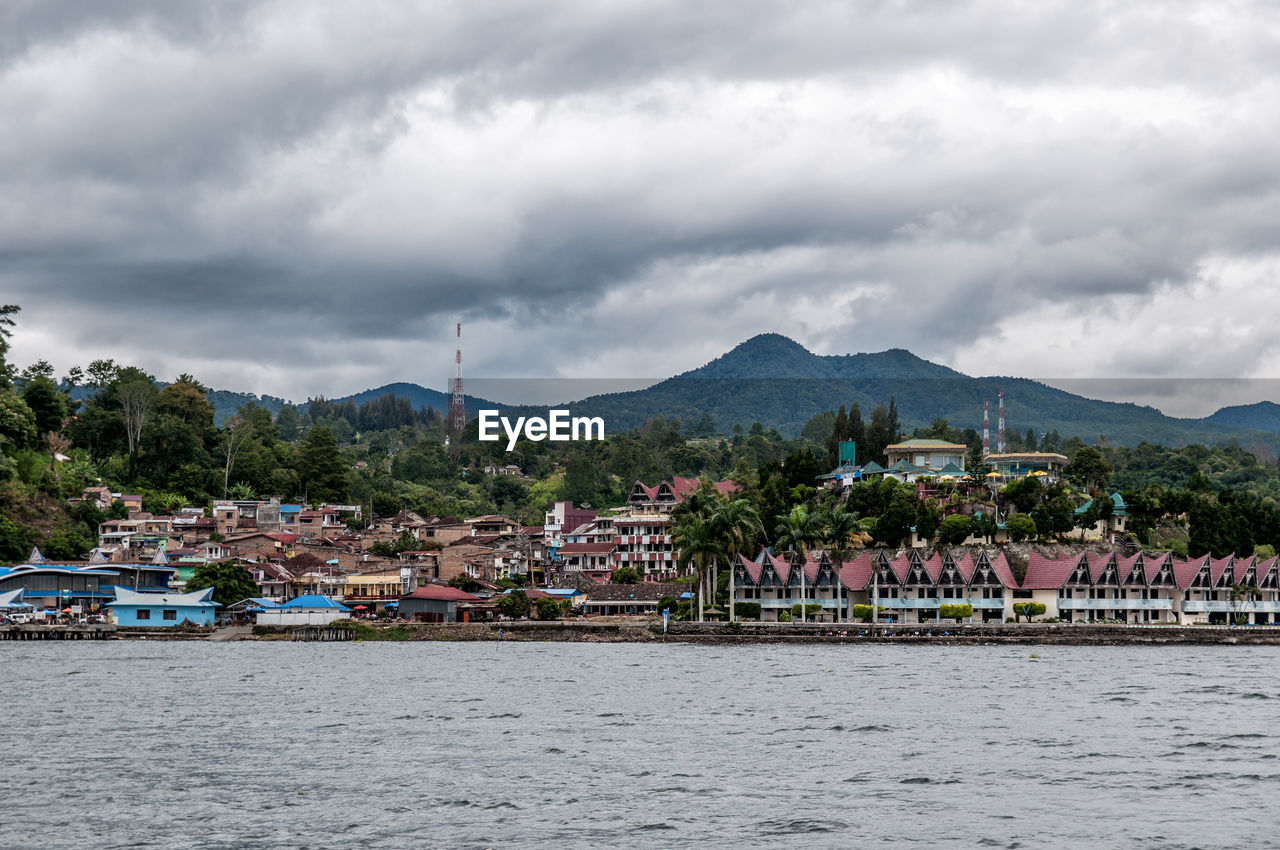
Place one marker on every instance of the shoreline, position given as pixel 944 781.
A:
pixel 715 633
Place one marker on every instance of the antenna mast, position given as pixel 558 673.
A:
pixel 986 427
pixel 457 403
pixel 1000 441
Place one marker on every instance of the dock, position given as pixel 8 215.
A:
pixel 324 634
pixel 33 631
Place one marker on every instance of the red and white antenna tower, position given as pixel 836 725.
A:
pixel 986 427
pixel 457 403
pixel 1000 439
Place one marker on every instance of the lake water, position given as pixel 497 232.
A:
pixel 282 745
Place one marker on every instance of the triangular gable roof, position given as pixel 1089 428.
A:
pixel 856 574
pixel 1241 568
pixel 1129 567
pixel 314 600
pixel 1000 566
pixel 1264 569
pixel 1217 567
pixel 964 565
pixel 35 557
pixel 96 557
pixel 13 599
pixel 782 567
pixel 1045 573
pixel 1098 565
pixel 194 599
pixel 160 558
pixel 872 468
pixel 901 567
pixel 1185 572
pixel 933 567
pixel 951 469
pixel 752 568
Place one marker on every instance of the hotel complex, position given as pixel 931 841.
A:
pixel 909 588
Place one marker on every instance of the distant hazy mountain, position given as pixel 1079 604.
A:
pixel 778 382
pixel 1262 416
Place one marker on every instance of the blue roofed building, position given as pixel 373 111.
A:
pixel 133 608
pixel 310 609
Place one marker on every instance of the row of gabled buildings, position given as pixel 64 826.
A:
pixel 1146 587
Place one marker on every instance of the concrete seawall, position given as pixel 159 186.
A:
pixel 620 630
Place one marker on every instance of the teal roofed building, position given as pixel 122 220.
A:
pixel 310 609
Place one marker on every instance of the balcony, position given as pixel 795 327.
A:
pixel 1117 605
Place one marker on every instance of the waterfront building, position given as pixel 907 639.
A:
pixel 628 599
pixel 642 528
pixel 435 603
pixel 165 610
pixel 310 609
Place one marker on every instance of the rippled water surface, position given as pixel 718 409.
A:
pixel 133 744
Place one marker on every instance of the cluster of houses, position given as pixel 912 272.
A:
pixel 907 587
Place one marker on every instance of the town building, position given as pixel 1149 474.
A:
pixel 435 603
pixel 163 610
pixel 310 609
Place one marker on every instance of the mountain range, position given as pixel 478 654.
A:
pixel 774 380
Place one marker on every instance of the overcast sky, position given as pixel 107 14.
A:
pixel 303 197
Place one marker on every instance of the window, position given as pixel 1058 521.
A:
pixel 144 614
pixel 170 614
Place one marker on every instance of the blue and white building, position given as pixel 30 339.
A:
pixel 133 608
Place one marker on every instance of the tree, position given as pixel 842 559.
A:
pixel 1028 610
pixel 927 520
pixel 551 609
pixel 47 404
pixel 955 529
pixel 626 575
pixel 514 604
pixel 1239 594
pixel 234 437
pixel 7 312
pixel 1090 468
pixel 320 468
pixel 737 525
pixel 797 532
pixel 1021 527
pixel 135 393
pixel 230 581
pixel 698 544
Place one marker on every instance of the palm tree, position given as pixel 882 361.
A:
pixel 738 526
pixel 1241 592
pixel 57 446
pixel 797 533
pixel 839 526
pixel 699 546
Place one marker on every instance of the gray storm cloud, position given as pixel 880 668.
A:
pixel 301 198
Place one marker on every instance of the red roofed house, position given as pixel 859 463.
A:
pixel 434 603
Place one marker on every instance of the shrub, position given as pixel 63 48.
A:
pixel 747 610
pixel 863 612
pixel 1028 609
pixel 784 617
pixel 956 612
pixel 810 610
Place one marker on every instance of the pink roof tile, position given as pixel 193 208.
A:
pixel 965 566
pixel 1265 568
pixel 1000 566
pixel 933 567
pixel 1125 566
pixel 753 568
pixel 1044 574
pixel 1217 566
pixel 1097 565
pixel 1184 572
pixel 1241 567
pixel 901 567
pixel 856 574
